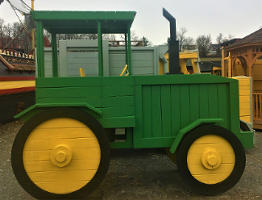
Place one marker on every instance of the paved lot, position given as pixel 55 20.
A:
pixel 137 174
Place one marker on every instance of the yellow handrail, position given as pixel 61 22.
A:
pixel 125 71
pixel 82 72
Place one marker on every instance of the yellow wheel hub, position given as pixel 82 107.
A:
pixel 210 159
pixel 61 155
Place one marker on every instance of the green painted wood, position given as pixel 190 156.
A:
pixel 126 50
pixel 54 55
pixel 175 109
pixel 223 106
pixel 178 79
pixel 212 100
pixel 100 49
pixel 129 61
pixel 165 95
pixel 118 101
pixel 234 106
pixel 139 128
pixel 203 93
pixel 194 105
pixel 85 21
pixel 118 122
pixel 190 127
pixel 156 112
pixel 40 49
pixel 185 105
pixel 147 112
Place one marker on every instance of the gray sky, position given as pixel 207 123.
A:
pixel 236 17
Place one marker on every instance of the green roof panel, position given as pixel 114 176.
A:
pixel 85 21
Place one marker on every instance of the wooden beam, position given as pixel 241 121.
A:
pixel 40 49
pixel 54 55
pixel 100 49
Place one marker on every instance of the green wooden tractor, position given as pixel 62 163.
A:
pixel 63 149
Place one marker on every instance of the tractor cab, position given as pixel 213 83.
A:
pixel 81 22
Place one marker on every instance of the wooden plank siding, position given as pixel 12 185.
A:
pixel 115 98
pixel 155 107
pixel 167 108
pixel 245 102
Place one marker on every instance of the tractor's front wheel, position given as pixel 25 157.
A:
pixel 60 154
pixel 211 159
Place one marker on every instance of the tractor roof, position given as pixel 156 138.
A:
pixel 85 21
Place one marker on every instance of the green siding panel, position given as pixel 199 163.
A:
pixel 167 108
pixel 156 112
pixel 147 112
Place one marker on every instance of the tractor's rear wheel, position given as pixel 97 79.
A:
pixel 211 159
pixel 60 154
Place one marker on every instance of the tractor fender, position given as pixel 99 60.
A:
pixel 34 109
pixel 182 132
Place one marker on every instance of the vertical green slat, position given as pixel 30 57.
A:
pixel 40 49
pixel 126 54
pixel 194 102
pixel 100 49
pixel 203 98
pixel 156 112
pixel 129 63
pixel 212 101
pixel 147 113
pixel 184 103
pixel 234 106
pixel 54 55
pixel 175 108
pixel 166 109
pixel 138 129
pixel 223 111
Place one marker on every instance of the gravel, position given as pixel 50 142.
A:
pixel 137 174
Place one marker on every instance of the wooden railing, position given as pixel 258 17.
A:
pixel 257 106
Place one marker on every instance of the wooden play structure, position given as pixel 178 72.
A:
pixel 17 83
pixel 63 149
pixel 184 58
pixel 243 57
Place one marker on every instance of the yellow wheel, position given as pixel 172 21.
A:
pixel 63 156
pixel 211 159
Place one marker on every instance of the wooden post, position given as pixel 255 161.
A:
pixel 126 48
pixel 223 61
pixel 100 49
pixel 33 30
pixel 40 50
pixel 129 63
pixel 54 55
pixel 229 66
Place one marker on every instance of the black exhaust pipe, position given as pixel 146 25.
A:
pixel 173 45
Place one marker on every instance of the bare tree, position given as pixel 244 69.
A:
pixel 181 36
pixel 220 40
pixel 185 43
pixel 189 43
pixel 203 44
